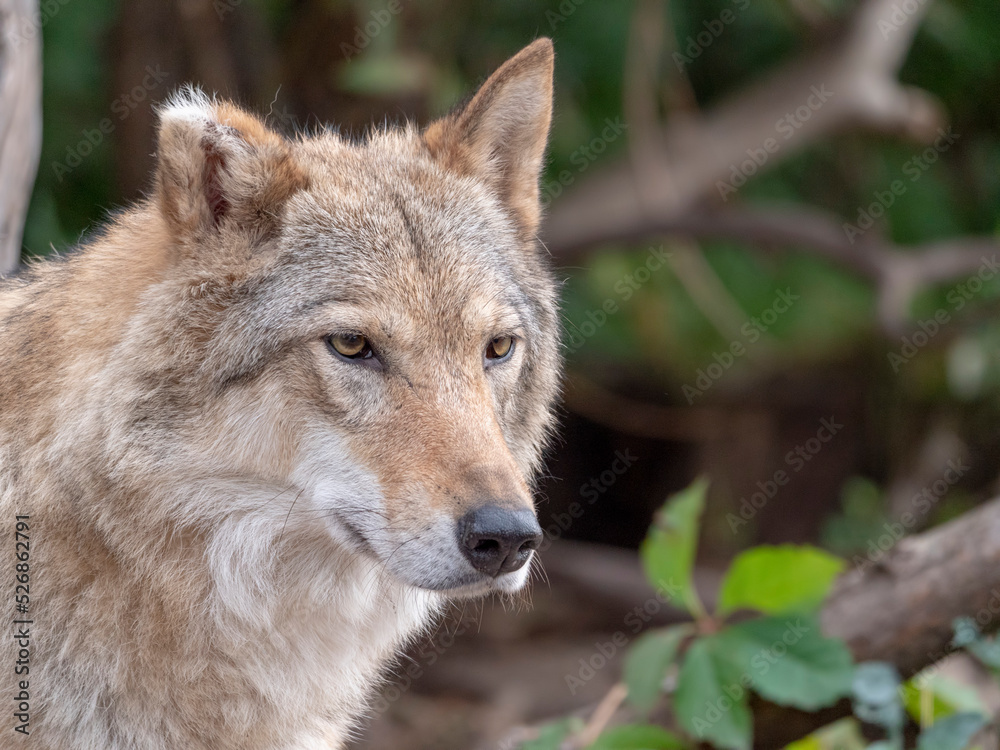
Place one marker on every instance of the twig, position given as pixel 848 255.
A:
pixel 605 710
pixel 643 419
pixel 899 272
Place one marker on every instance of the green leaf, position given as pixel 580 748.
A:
pixel 638 737
pixel 952 732
pixel 806 743
pixel 710 703
pixel 840 735
pixel 969 637
pixel 647 662
pixel 947 697
pixel 875 693
pixel 789 661
pixel 551 736
pixel 775 580
pixel 669 549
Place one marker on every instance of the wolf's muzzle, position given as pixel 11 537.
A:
pixel 497 540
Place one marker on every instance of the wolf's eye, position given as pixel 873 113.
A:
pixel 499 349
pixel 350 345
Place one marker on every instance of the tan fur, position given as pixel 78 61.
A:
pixel 233 531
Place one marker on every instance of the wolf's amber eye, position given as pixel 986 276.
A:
pixel 350 345
pixel 500 348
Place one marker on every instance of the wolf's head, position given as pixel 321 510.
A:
pixel 375 321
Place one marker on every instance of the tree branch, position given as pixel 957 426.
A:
pixel 667 188
pixel 898 271
pixel 20 121
pixel 858 68
pixel 900 609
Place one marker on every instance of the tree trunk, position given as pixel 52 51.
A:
pixel 20 120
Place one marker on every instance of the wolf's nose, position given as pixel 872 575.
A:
pixel 496 540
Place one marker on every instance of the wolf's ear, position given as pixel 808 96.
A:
pixel 500 135
pixel 220 165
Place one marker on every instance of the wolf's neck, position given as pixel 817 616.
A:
pixel 328 626
pixel 313 625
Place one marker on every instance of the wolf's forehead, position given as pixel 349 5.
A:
pixel 399 227
pixel 398 199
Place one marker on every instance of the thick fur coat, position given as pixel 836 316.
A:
pixel 233 528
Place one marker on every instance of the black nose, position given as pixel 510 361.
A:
pixel 496 540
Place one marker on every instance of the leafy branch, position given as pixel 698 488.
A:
pixel 763 638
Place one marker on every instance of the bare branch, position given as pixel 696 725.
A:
pixel 855 71
pixel 901 608
pixel 848 82
pixel 20 121
pixel 899 272
pixel 644 419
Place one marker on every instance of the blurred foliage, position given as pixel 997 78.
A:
pixel 426 55
pixel 433 52
pixel 659 330
pixel 74 99
pixel 861 519
pixel 780 655
pixel 709 667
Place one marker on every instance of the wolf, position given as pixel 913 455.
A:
pixel 263 426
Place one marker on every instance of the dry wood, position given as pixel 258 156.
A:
pixel 896 606
pixel 20 120
pixel 900 608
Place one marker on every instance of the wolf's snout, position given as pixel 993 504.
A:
pixel 497 540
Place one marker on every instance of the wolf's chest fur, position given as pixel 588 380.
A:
pixel 269 421
pixel 295 673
